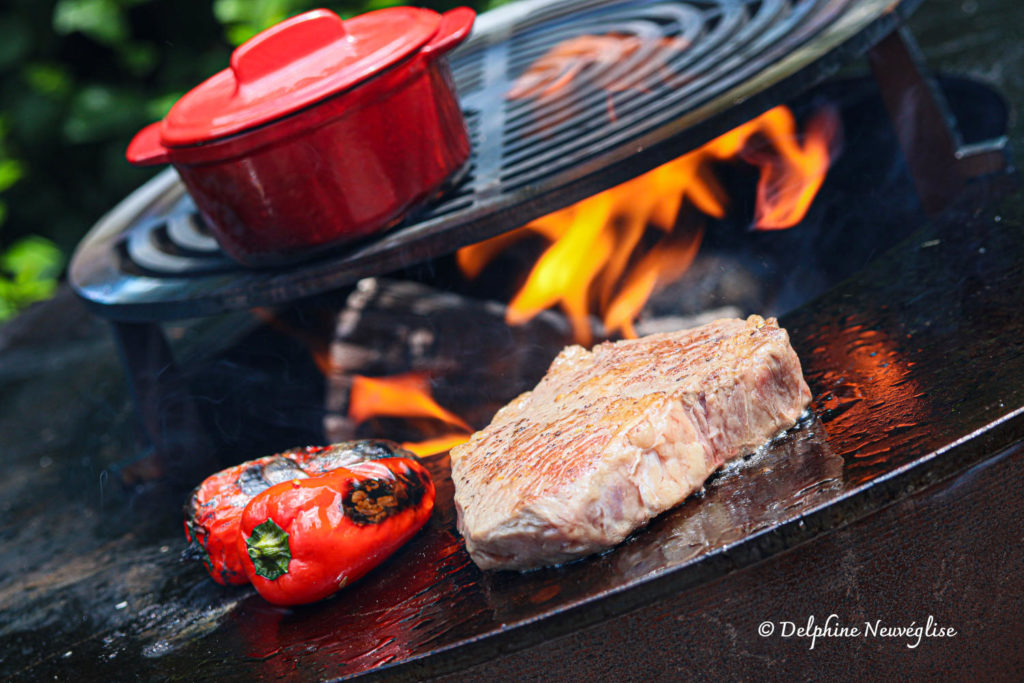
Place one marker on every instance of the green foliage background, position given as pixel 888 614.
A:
pixel 77 79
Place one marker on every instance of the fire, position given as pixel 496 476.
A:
pixel 791 173
pixel 663 264
pixel 408 396
pixel 402 396
pixel 594 264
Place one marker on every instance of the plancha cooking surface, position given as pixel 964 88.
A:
pixel 903 398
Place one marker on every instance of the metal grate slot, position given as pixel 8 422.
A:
pixel 176 242
pixel 468 72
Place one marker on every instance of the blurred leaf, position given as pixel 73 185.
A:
pixel 139 58
pixel 33 118
pixel 229 11
pixel 32 258
pixel 101 20
pixel 6 308
pixel 11 171
pixel 242 19
pixel 239 33
pixel 48 79
pixel 31 266
pixel 99 112
pixel 158 107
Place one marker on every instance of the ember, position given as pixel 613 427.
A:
pixel 595 262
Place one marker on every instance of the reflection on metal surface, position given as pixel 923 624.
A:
pixel 612 62
pixel 872 407
pixel 786 479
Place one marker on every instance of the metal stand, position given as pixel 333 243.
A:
pixel 939 162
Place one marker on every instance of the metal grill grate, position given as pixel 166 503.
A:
pixel 663 78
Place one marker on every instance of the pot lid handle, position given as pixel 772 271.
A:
pixel 146 149
pixel 455 26
pixel 296 64
pixel 286 43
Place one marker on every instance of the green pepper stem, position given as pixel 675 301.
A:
pixel 268 548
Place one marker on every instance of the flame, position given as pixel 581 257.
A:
pixel 791 174
pixel 663 264
pixel 406 395
pixel 593 262
pixel 437 445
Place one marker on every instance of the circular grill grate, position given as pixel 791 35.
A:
pixel 562 100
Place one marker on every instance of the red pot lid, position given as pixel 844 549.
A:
pixel 292 65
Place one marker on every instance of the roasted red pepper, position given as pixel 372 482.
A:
pixel 306 539
pixel 215 507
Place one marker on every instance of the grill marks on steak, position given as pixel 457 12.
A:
pixel 610 438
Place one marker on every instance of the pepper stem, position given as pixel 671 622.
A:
pixel 268 548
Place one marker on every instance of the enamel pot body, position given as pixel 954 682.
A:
pixel 345 167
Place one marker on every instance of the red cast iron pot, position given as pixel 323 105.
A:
pixel 321 132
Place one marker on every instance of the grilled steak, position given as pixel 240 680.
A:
pixel 611 437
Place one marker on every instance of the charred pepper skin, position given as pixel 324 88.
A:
pixel 306 539
pixel 211 521
pixel 214 509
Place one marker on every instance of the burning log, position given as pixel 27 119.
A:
pixel 431 341
pixel 406 361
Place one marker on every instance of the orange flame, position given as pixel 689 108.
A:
pixel 791 173
pixel 405 395
pixel 663 264
pixel 591 261
pixel 437 445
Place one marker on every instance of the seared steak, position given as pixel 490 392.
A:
pixel 611 437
